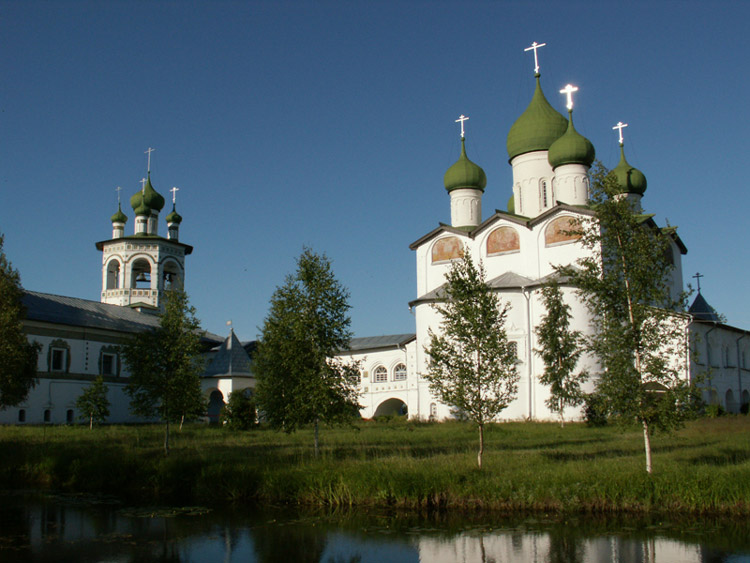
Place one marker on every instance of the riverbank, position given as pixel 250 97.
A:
pixel 703 468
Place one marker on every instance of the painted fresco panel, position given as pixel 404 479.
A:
pixel 447 248
pixel 557 232
pixel 503 239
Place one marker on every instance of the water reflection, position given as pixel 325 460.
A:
pixel 85 529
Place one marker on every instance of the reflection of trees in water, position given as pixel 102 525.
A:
pixel 565 548
pixel 283 543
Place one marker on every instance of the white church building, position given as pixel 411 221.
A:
pixel 550 164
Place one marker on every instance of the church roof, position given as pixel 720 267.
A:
pixel 378 342
pixel 702 311
pixel 231 359
pixel 72 311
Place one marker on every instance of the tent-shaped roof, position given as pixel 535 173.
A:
pixel 702 311
pixel 230 360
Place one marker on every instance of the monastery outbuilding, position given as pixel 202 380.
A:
pixel 518 246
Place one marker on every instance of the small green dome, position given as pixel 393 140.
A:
pixel 151 198
pixel 119 217
pixel 629 180
pixel 571 148
pixel 174 217
pixel 512 205
pixel 537 127
pixel 139 206
pixel 464 173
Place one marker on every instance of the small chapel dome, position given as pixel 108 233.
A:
pixel 119 217
pixel 571 148
pixel 139 205
pixel 150 197
pixel 464 173
pixel 174 217
pixel 537 128
pixel 629 180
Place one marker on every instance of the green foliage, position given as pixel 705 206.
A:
pixel 595 410
pixel 299 379
pixel 471 364
pixel 638 334
pixel 239 412
pixel 93 403
pixel 18 357
pixel 560 351
pixel 165 365
pixel 715 411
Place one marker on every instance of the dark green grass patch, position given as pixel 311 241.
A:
pixel 704 468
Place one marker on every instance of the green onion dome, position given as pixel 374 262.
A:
pixel 629 180
pixel 151 198
pixel 174 217
pixel 512 205
pixel 464 173
pixel 119 217
pixel 571 148
pixel 139 205
pixel 537 127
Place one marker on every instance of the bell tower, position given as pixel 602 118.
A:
pixel 137 269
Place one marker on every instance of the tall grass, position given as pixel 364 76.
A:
pixel 704 468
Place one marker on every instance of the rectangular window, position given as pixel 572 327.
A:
pixel 108 364
pixel 58 359
pixel 513 345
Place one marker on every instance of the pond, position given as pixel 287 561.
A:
pixel 80 528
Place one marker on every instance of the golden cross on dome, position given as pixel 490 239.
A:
pixel 534 47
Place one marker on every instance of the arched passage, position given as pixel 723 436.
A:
pixel 392 407
pixel 215 404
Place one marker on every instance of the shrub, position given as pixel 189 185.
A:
pixel 714 411
pixel 239 412
pixel 595 410
pixel 745 408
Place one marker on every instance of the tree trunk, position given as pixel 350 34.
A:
pixel 166 439
pixel 91 422
pixel 317 448
pixel 562 416
pixel 481 446
pixel 647 444
pixel 182 419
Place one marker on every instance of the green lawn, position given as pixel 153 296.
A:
pixel 528 466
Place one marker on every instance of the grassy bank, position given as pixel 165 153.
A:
pixel 703 468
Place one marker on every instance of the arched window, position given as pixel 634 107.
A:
pixel 729 399
pixel 113 274
pixel 69 416
pixel 140 274
pixel 433 411
pixel 543 193
pixel 380 374
pixel 399 372
pixel 47 415
pixel 172 276
pixel 22 415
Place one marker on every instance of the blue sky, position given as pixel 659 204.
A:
pixel 331 124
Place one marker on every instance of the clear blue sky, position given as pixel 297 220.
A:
pixel 331 124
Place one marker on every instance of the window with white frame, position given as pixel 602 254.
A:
pixel 399 372
pixel 380 375
pixel 513 347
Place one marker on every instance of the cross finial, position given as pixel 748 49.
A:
pixel 118 189
pixel 148 152
pixel 698 277
pixel 143 186
pixel 174 191
pixel 568 91
pixel 620 126
pixel 534 47
pixel 461 120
